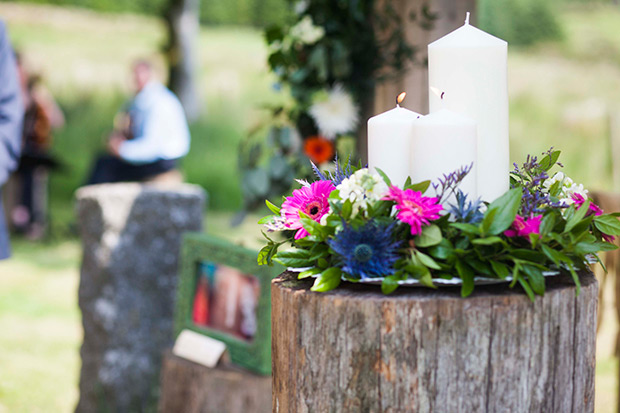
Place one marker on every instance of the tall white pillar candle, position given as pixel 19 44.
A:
pixel 470 66
pixel 443 142
pixel 389 143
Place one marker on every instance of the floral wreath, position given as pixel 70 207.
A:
pixel 354 225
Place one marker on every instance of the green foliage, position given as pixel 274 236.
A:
pixel 519 22
pixel 230 12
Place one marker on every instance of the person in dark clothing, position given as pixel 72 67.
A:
pixel 42 114
pixel 11 117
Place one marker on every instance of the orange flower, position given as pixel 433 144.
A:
pixel 319 149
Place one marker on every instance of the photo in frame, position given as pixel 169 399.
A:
pixel 224 294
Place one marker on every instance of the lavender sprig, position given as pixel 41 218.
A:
pixel 530 177
pixel 448 184
pixel 339 175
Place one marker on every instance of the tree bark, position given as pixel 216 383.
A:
pixel 182 20
pixel 191 388
pixel 420 350
pixel 450 15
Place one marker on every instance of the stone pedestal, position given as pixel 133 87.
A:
pixel 421 350
pixel 131 235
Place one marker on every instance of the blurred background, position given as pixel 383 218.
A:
pixel 564 84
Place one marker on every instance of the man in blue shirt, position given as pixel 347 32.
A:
pixel 152 140
pixel 11 117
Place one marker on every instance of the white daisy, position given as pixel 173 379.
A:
pixel 306 32
pixel 362 188
pixel 334 112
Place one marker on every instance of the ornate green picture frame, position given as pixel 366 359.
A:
pixel 200 254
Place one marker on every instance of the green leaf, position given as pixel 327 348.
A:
pixel 467 275
pixel 442 251
pixel 536 279
pixel 384 176
pixel 347 209
pixel 264 255
pixel 265 220
pixel 607 224
pixel 389 284
pixel 310 225
pixel 309 273
pixel 427 280
pixel 500 269
pixel 431 235
pixel 527 288
pixel 547 162
pixel 488 241
pixel 420 186
pixel 547 224
pixel 579 215
pixel 505 207
pixel 295 258
pixel 466 228
pixel 272 207
pixel 328 280
pixel 488 220
pixel 427 261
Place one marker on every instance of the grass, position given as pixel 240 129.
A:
pixel 562 95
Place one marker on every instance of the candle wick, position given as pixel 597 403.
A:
pixel 467 18
pixel 441 97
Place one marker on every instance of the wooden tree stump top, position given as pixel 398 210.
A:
pixel 355 349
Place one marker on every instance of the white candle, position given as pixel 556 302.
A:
pixel 470 66
pixel 443 142
pixel 389 143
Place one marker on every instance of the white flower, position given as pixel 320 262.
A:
pixel 334 112
pixel 301 7
pixel 306 32
pixel 568 188
pixel 362 188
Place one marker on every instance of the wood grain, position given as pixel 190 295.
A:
pixel 420 350
pixel 188 387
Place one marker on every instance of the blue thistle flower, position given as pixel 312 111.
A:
pixel 466 211
pixel 366 252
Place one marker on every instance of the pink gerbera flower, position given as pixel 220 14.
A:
pixel 413 208
pixel 523 228
pixel 580 200
pixel 311 200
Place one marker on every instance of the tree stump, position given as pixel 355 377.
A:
pixel 191 388
pixel 131 236
pixel 421 350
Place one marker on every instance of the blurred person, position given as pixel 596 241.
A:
pixel 30 181
pixel 150 135
pixel 11 117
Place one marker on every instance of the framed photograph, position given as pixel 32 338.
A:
pixel 224 294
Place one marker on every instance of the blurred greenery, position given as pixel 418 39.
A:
pixel 563 93
pixel 243 12
pixel 520 22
